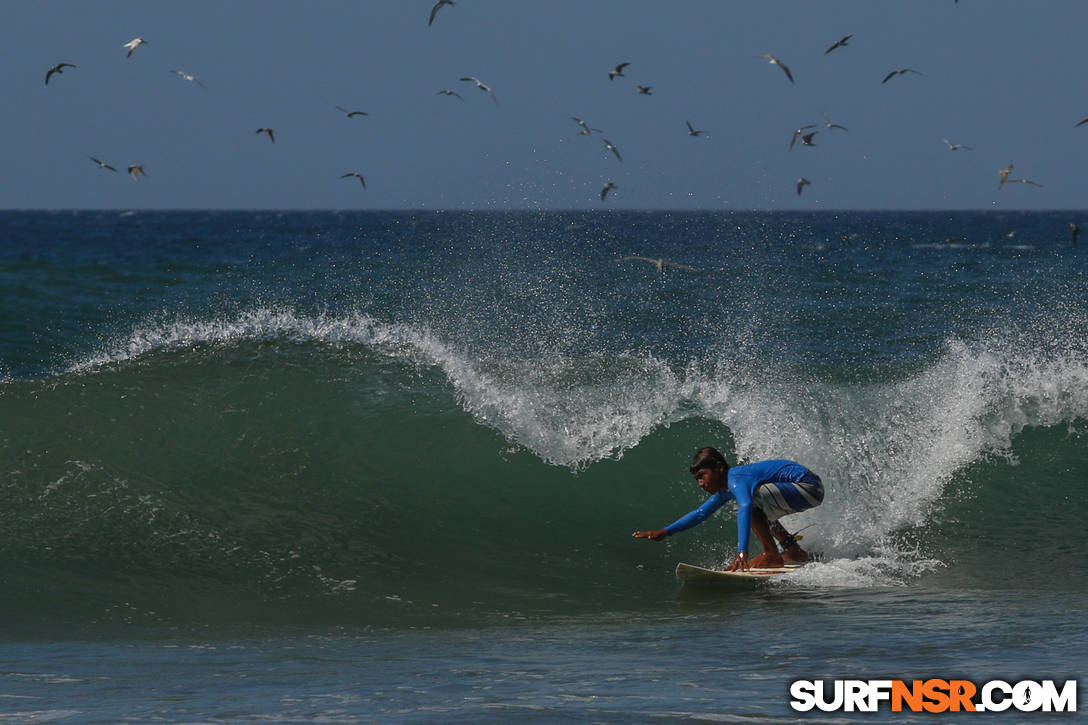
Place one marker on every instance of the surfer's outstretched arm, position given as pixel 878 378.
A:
pixel 656 534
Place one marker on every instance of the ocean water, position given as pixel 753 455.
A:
pixel 384 467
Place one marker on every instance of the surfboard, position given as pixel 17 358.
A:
pixel 692 574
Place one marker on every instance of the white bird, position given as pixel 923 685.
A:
pixel 132 45
pixel 189 77
pixel 101 164
pixel 448 92
pixel 618 71
pixel 482 86
pixel 56 69
pixel 775 61
pixel 437 6
pixel 351 114
pixel 608 186
pixel 357 175
pixel 135 170
pixel 269 132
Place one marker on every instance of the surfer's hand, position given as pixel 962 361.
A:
pixel 740 562
pixel 656 535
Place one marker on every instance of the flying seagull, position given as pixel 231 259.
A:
pixel 801 132
pixel 775 61
pixel 608 186
pixel 132 45
pixel 801 184
pixel 585 129
pixel 135 170
pixel 189 77
pixel 956 146
pixel 1004 174
pixel 839 43
pixel 101 164
pixel 357 175
pixel 1081 123
pixel 612 147
pixel 659 263
pixel 644 90
pixel 691 129
pixel 271 134
pixel 437 6
pixel 56 69
pixel 618 71
pixel 827 122
pixel 448 92
pixel 1024 181
pixel 481 85
pixel 351 114
pixel 901 71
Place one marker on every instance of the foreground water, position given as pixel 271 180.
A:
pixel 385 466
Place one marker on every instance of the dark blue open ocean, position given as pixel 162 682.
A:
pixel 384 467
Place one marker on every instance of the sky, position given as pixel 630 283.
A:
pixel 1005 77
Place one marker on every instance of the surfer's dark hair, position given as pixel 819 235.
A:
pixel 708 458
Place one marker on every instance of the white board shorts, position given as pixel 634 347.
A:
pixel 781 498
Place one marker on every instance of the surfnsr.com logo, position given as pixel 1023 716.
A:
pixel 933 695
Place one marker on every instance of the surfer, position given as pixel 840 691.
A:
pixel 764 491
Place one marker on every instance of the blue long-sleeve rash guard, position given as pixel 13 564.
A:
pixel 742 481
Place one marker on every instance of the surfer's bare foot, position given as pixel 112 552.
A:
pixel 767 561
pixel 795 554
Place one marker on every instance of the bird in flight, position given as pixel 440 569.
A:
pixel 132 45
pixel 801 184
pixel 775 61
pixel 901 71
pixel 617 71
pixel 189 77
pixel 585 129
pixel 482 86
pixel 351 114
pixel 1004 174
pixel 135 170
pixel 271 134
pixel 644 90
pixel 1025 181
pixel 448 92
pixel 608 186
pixel 357 175
pixel 801 132
pixel 612 147
pixel 101 164
pixel 438 6
pixel 839 43
pixel 691 129
pixel 659 263
pixel 56 69
pixel 956 146
pixel 1081 123
pixel 827 122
